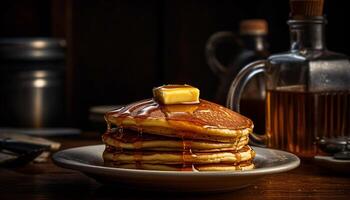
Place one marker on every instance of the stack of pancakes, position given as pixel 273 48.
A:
pixel 195 137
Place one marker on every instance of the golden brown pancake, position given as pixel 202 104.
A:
pixel 207 167
pixel 202 121
pixel 131 140
pixel 173 157
pixel 156 136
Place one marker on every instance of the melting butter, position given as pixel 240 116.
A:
pixel 176 94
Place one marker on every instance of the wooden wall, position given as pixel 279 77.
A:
pixel 118 50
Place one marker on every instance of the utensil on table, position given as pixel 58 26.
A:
pixel 17 149
pixel 17 153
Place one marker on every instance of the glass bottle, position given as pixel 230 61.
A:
pixel 307 89
pixel 251 45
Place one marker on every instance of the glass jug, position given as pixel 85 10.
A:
pixel 249 45
pixel 307 92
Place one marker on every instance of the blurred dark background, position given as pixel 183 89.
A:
pixel 119 50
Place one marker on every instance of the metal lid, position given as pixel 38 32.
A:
pixel 32 49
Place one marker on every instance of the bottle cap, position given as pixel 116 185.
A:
pixel 301 9
pixel 253 27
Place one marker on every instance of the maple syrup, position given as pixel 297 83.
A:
pixel 297 120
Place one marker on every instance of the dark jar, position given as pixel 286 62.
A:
pixel 32 82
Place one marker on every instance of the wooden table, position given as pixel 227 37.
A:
pixel 47 181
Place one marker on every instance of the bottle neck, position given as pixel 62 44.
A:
pixel 307 34
pixel 255 42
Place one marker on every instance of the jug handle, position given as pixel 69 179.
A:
pixel 236 90
pixel 210 50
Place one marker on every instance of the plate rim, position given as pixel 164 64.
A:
pixel 61 160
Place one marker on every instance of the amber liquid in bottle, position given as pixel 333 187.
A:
pixel 296 120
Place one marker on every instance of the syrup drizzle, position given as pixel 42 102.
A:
pixel 138 159
pixel 237 142
pixel 238 157
pixel 178 112
pixel 109 129
pixel 139 141
pixel 187 155
pixel 119 135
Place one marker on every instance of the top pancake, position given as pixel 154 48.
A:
pixel 205 120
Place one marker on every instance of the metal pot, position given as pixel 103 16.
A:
pixel 32 82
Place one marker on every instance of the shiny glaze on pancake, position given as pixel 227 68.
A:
pixel 129 139
pixel 205 114
pixel 131 136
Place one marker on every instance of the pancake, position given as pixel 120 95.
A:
pixel 162 157
pixel 131 140
pixel 177 132
pixel 206 167
pixel 202 121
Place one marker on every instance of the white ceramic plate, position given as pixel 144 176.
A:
pixel 88 159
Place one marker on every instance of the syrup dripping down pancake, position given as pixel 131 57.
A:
pixel 202 121
pixel 132 140
pixel 206 167
pixel 173 157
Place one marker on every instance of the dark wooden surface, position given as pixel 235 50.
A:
pixel 47 181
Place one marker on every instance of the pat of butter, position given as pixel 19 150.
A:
pixel 176 94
